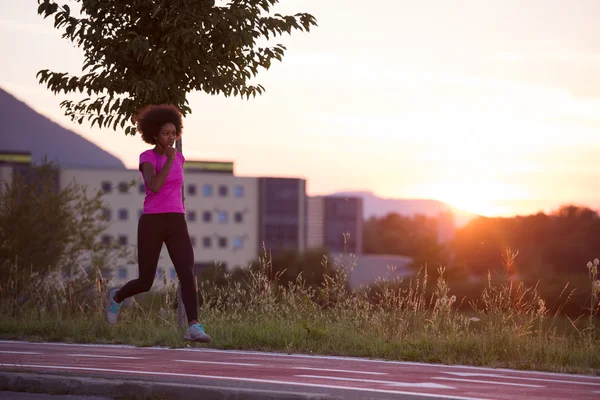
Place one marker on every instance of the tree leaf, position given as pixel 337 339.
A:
pixel 136 54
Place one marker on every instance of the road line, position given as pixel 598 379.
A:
pixel 469 374
pixel 101 356
pixel 488 382
pixel 314 357
pixel 391 383
pixel 33 353
pixel 418 394
pixel 341 370
pixel 219 363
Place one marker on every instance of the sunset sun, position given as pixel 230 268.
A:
pixel 477 197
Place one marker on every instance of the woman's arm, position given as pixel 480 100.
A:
pixel 155 182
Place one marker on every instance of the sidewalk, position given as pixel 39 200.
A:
pixel 123 389
pixel 39 396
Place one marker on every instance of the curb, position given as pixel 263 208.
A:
pixel 131 389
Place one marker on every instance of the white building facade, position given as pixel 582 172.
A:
pixel 221 212
pixel 230 218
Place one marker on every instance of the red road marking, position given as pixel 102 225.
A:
pixel 426 385
pixel 467 374
pixel 100 356
pixel 283 369
pixel 293 383
pixel 487 382
pixel 341 370
pixel 218 363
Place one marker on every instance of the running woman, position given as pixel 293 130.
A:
pixel 163 217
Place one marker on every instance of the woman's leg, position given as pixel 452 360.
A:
pixel 150 239
pixel 182 254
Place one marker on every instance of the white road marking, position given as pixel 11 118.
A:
pixel 101 356
pixel 488 382
pixel 341 370
pixel 426 385
pixel 33 353
pixel 218 362
pixel 475 374
pixel 419 394
pixel 307 356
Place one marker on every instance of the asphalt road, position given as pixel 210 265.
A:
pixel 303 376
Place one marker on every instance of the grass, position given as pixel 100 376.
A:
pixel 292 336
pixel 509 326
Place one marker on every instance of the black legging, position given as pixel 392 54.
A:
pixel 153 230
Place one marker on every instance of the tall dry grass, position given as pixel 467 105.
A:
pixel 509 325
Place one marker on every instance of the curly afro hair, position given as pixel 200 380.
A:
pixel 150 119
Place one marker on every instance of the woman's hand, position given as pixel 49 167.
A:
pixel 171 153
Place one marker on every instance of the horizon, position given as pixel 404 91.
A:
pixel 490 108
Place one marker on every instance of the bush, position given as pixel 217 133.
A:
pixel 49 237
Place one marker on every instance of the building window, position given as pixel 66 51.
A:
pixel 123 214
pixel 207 242
pixel 193 240
pixel 123 240
pixel 191 189
pixel 159 272
pixel 223 191
pixel 238 217
pixel 122 273
pixel 142 188
pixel 191 216
pixel 238 243
pixel 123 187
pixel 106 187
pixel 106 214
pixel 207 190
pixel 280 235
pixel 106 240
pixel 207 216
pixel 222 217
pixel 222 242
pixel 173 274
pixel 238 191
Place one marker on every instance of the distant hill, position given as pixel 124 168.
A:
pixel 375 206
pixel 23 129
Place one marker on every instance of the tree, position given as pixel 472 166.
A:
pixel 552 250
pixel 142 52
pixel 47 231
pixel 416 237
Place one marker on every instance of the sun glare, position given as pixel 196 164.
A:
pixel 476 173
pixel 473 199
pixel 482 198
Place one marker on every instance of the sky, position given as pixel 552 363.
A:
pixel 491 106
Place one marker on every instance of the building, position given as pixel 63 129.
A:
pixel 283 211
pixel 13 163
pixel 223 213
pixel 315 223
pixel 367 269
pixel 221 210
pixel 335 223
pixel 6 168
pixel 230 218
